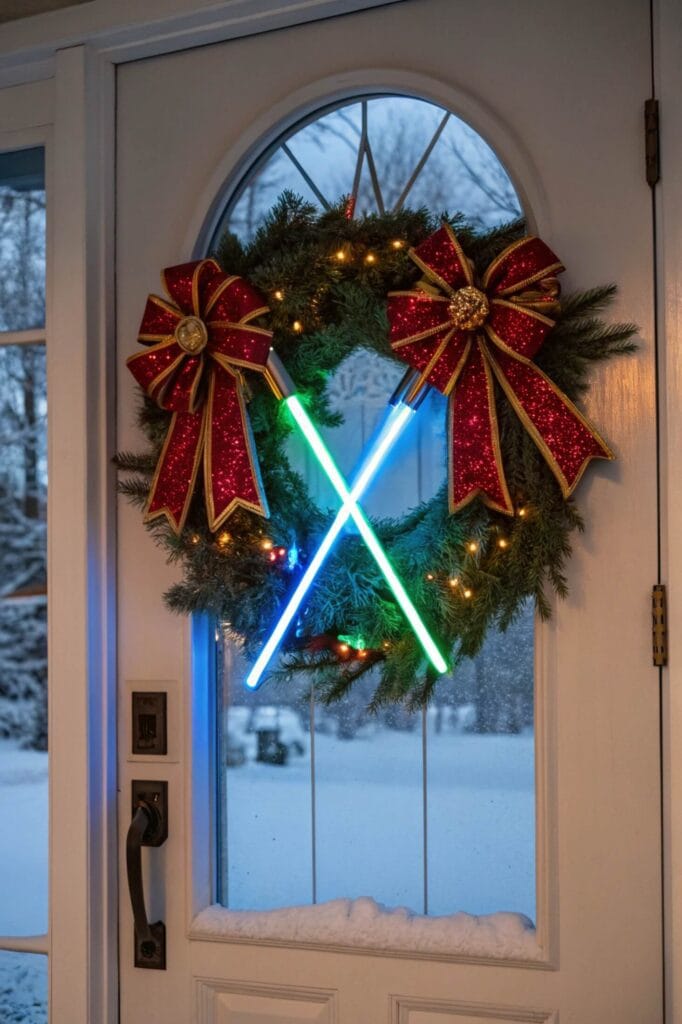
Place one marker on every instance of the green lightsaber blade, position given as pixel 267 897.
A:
pixel 325 459
pixel 384 441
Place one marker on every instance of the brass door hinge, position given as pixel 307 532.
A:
pixel 659 615
pixel 652 142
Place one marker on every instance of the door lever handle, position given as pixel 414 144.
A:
pixel 149 827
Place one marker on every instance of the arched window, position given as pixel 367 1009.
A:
pixel 432 810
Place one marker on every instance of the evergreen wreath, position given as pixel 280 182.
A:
pixel 467 572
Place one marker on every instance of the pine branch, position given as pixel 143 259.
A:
pixel 341 305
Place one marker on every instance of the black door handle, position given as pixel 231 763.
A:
pixel 149 827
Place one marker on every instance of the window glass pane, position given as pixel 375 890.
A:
pixel 265 850
pixel 23 640
pixel 262 191
pixel 23 988
pixel 369 799
pixel 481 782
pixel 460 172
pixel 433 810
pixel 22 240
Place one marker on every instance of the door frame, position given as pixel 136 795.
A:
pixel 67 60
pixel 667 211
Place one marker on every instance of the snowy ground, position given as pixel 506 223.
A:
pixel 23 880
pixel 369 830
pixel 23 988
pixel 369 842
pixel 23 840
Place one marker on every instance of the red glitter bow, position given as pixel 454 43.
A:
pixel 461 335
pixel 199 345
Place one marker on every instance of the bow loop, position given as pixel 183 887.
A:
pixel 441 258
pixel 248 347
pixel 207 316
pixel 180 283
pixel 520 265
pixel 462 337
pixel 514 328
pixel 234 300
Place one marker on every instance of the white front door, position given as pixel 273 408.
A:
pixel 558 92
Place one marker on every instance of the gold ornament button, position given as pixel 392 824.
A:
pixel 191 335
pixel 468 308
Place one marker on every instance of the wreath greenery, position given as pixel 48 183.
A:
pixel 323 308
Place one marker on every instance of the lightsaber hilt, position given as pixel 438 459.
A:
pixel 412 390
pixel 277 376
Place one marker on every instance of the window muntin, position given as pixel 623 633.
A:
pixel 433 810
pixel 387 152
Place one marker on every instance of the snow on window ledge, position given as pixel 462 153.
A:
pixel 365 924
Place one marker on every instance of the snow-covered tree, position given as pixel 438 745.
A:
pixel 23 474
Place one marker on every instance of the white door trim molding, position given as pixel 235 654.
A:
pixel 402 1008
pixel 236 161
pixel 28 46
pixel 216 998
pixel 81 517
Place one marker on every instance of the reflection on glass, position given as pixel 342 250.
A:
pixel 423 156
pixel 481 783
pixel 22 239
pixel 265 850
pixel 23 988
pixel 23 640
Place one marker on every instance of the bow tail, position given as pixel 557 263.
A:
pixel 474 459
pixel 176 472
pixel 566 439
pixel 231 472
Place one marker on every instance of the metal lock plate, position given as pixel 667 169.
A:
pixel 150 723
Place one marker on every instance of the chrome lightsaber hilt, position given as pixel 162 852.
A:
pixel 277 376
pixel 412 390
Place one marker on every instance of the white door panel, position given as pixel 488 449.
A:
pixel 558 91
